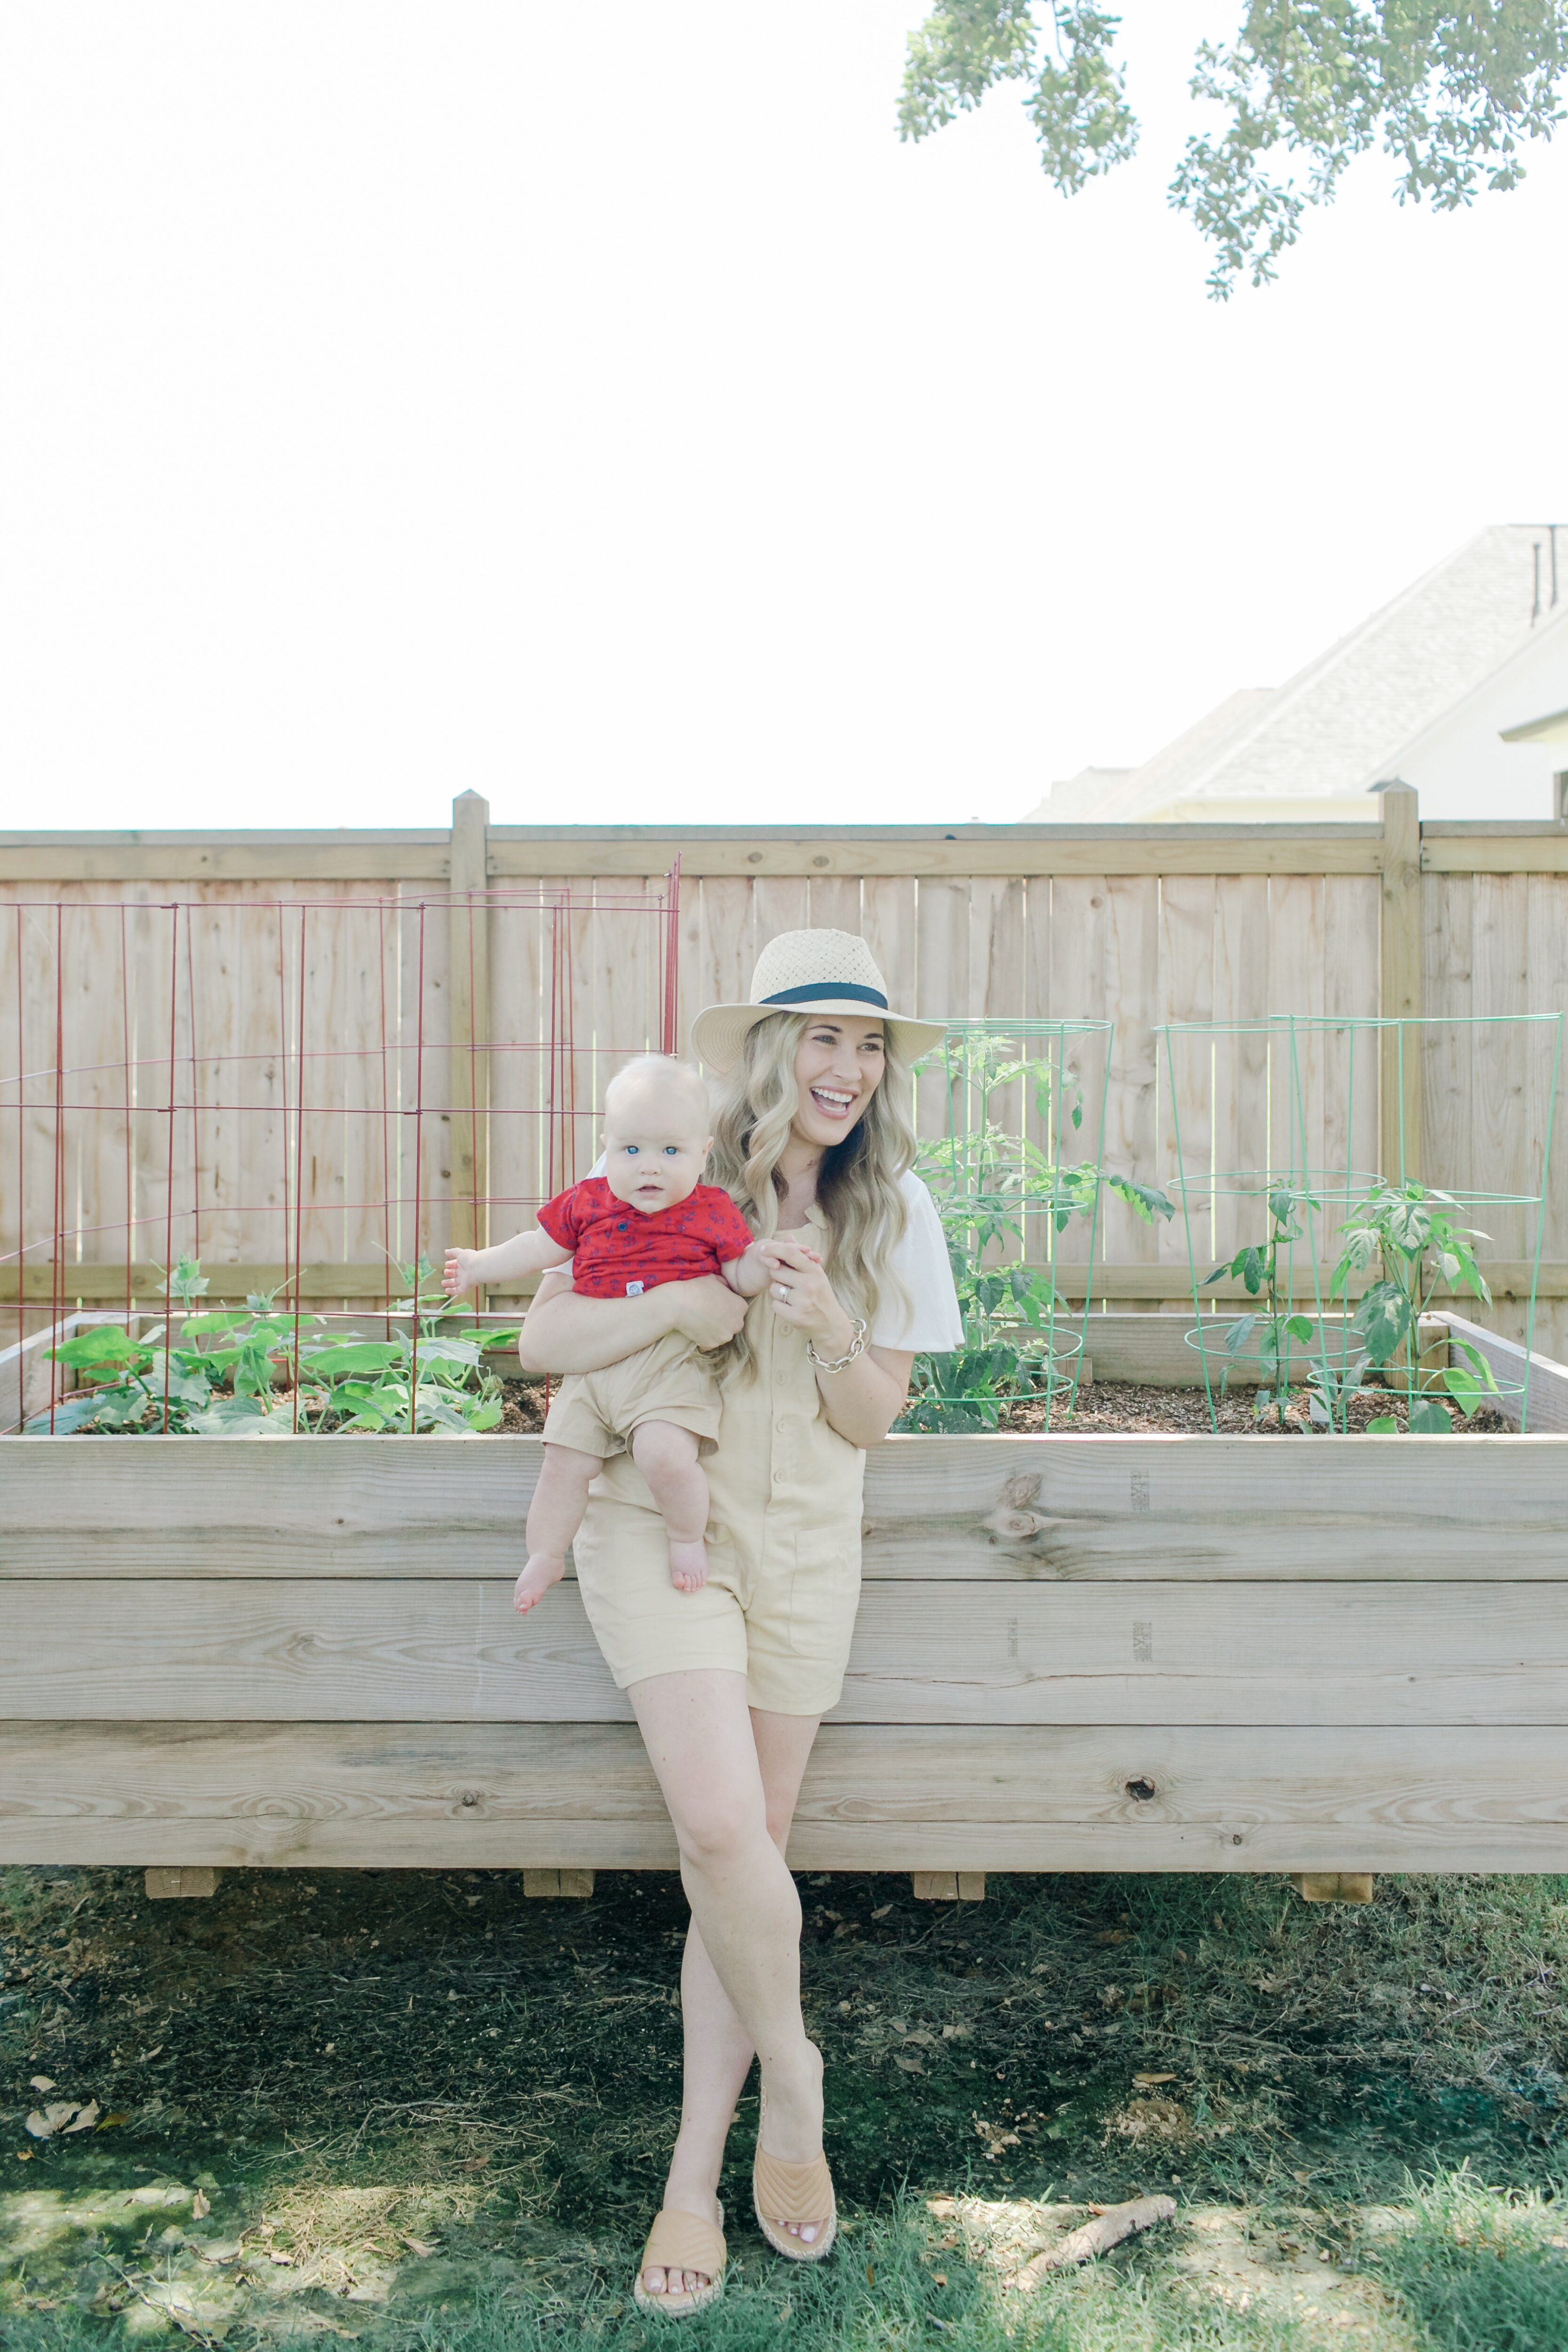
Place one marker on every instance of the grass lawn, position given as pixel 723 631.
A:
pixel 412 2108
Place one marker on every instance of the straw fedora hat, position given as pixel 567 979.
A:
pixel 809 972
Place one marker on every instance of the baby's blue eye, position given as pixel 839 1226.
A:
pixel 631 1150
pixel 670 1150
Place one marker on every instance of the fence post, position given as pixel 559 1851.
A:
pixel 1399 984
pixel 468 1010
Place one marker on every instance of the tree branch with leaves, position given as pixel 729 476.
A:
pixel 1452 94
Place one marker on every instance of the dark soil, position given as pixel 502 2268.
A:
pixel 524 1404
pixel 1105 1408
pixel 1124 1409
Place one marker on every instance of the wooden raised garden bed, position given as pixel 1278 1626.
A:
pixel 1326 1655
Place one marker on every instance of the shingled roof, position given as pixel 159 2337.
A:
pixel 1343 724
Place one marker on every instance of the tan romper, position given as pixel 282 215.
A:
pixel 784 1544
pixel 600 1412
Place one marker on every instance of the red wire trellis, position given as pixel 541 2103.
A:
pixel 263 1115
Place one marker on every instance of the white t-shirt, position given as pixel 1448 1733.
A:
pixel 930 1323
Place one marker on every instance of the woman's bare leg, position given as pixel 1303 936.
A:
pixel 704 1743
pixel 719 2052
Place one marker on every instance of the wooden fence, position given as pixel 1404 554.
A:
pixel 1138 926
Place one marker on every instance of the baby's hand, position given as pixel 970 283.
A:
pixel 457 1274
pixel 779 1253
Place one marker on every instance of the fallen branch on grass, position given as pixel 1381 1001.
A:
pixel 1097 2237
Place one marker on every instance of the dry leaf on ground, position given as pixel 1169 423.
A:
pixel 45 2124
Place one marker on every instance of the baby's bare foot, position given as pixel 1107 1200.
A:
pixel 688 1565
pixel 535 1582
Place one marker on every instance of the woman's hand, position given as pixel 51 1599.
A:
pixel 863 1400
pixel 804 1297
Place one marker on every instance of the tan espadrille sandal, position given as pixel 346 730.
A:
pixel 682 2242
pixel 785 2192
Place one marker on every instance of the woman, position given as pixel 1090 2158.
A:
pixel 813 1141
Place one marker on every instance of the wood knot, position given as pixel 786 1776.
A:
pixel 471 1796
pixel 1012 1519
pixel 1142 1791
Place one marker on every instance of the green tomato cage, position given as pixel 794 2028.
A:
pixel 1300 1184
pixel 1013 1114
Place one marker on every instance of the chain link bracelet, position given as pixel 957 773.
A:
pixel 856 1348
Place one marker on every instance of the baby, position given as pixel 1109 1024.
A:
pixel 646 1221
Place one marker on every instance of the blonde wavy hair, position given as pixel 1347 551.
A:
pixel 858 1188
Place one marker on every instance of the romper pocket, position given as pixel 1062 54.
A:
pixel 824 1591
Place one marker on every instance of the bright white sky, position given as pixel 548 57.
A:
pixel 597 406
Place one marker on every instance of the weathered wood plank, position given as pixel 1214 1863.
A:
pixel 893 1798
pixel 521 971
pixel 1244 926
pixel 414 1651
pixel 1180 1508
pixel 311 857
pixel 783 903
pixel 1456 848
pixel 315 858
pixel 1297 1103
pixel 1448 1041
pixel 1511 1363
pixel 936 852
pixel 1497 1144
pixel 1350 947
pixel 1399 986
pixel 1154 1351
pixel 469 1011
pixel 518 851
pixel 717 946
pixel 1546 1112
pixel 1012 1509
pixel 891 928
pixel 1184 1144
pixel 1112 925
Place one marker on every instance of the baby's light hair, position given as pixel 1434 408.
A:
pixel 650 1073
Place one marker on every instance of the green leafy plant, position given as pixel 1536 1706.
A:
pixel 988 1180
pixel 220 1377
pixel 1413 1233
pixel 1277 1328
pixel 1453 93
